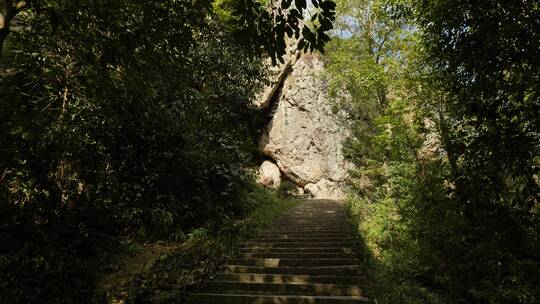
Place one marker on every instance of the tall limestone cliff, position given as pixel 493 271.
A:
pixel 304 136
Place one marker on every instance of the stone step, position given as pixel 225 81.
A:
pixel 331 215
pixel 346 270
pixel 304 229
pixel 315 210
pixel 209 298
pixel 307 226
pixel 295 250
pixel 312 221
pixel 290 279
pixel 295 262
pixel 297 255
pixel 312 229
pixel 305 257
pixel 313 225
pixel 283 289
pixel 302 239
pixel 316 224
pixel 341 231
pixel 337 214
pixel 313 234
pixel 299 244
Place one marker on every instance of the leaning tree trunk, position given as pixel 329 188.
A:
pixel 8 11
pixel 3 35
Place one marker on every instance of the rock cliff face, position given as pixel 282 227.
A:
pixel 304 136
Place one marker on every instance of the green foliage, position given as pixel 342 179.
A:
pixel 485 56
pixel 491 76
pixel 287 188
pixel 197 234
pixel 267 25
pixel 446 190
pixel 366 60
pixel 186 270
pixel 120 121
pixel 130 247
pixel 161 221
pixel 260 25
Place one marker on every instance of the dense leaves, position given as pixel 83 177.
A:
pixel 261 25
pixel 121 120
pixel 486 57
pixel 446 192
pixel 250 23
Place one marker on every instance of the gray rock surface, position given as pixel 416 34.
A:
pixel 305 136
pixel 325 189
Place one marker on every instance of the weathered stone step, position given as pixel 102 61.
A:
pixel 312 229
pixel 284 289
pixel 343 230
pixel 314 220
pixel 347 270
pixel 296 234
pixel 338 214
pixel 305 226
pixel 297 255
pixel 310 223
pixel 294 250
pixel 310 226
pixel 305 257
pixel 208 298
pixel 290 279
pixel 307 237
pixel 295 262
pixel 299 244
pixel 317 215
pixel 325 212
pixel 302 239
pixel 320 205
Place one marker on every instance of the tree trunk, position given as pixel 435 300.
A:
pixel 7 13
pixel 447 144
pixel 5 18
pixel 4 32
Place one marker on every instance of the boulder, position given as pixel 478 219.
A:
pixel 270 176
pixel 325 189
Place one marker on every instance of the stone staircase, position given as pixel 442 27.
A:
pixel 305 257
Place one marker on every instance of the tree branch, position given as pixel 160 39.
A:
pixel 379 48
